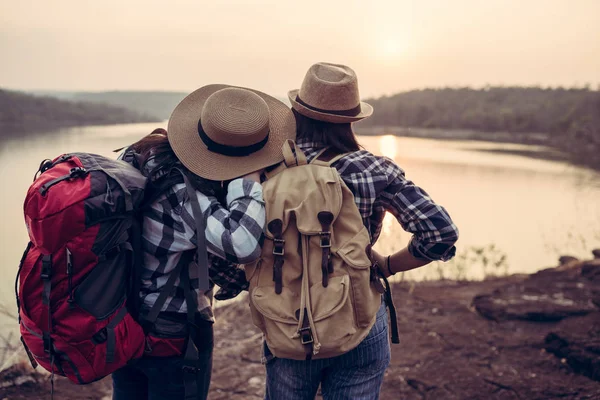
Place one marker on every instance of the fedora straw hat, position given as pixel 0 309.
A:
pixel 329 93
pixel 221 132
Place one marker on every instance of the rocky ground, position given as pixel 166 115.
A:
pixel 519 337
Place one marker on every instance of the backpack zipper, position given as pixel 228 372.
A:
pixel 70 300
pixel 77 172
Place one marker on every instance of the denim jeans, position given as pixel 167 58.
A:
pixel 161 378
pixel 356 375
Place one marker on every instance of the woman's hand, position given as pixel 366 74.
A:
pixel 381 262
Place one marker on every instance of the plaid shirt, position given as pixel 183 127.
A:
pixel 379 185
pixel 233 236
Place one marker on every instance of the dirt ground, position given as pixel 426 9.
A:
pixel 452 347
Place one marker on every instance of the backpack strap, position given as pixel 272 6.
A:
pixel 191 365
pixel 201 253
pixel 292 155
pixel 337 158
pixel 272 172
pixel 326 163
pixel 276 228
pixel 307 332
pixel 32 360
pixel 387 294
pixel 320 153
pixel 325 219
pixel 150 318
pixel 49 350
pixel 389 301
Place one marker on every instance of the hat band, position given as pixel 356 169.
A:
pixel 352 112
pixel 231 151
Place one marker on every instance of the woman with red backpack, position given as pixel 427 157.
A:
pixel 197 229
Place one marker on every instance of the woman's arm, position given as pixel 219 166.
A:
pixel 398 262
pixel 434 232
pixel 235 233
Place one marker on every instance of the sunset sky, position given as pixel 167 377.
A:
pixel 393 45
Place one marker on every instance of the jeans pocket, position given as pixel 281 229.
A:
pixel 380 327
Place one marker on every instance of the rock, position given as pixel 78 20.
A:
pixel 530 307
pixel 581 351
pixel 17 375
pixel 591 269
pixel 548 295
pixel 566 260
pixel 596 253
pixel 255 381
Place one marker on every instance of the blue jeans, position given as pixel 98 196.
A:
pixel 356 375
pixel 161 378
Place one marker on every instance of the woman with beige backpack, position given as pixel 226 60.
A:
pixel 315 291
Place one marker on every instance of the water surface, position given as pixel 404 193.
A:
pixel 518 212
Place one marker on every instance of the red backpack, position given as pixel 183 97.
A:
pixel 77 317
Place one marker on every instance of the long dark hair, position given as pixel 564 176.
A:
pixel 339 138
pixel 156 148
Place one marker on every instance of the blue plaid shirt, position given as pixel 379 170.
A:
pixel 233 236
pixel 379 185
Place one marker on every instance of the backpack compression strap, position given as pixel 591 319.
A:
pixel 201 253
pixel 292 155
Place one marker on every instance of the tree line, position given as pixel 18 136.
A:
pixel 21 112
pixel 570 117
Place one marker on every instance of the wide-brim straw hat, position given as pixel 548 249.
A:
pixel 329 93
pixel 221 132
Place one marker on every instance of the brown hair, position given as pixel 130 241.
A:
pixel 340 138
pixel 156 147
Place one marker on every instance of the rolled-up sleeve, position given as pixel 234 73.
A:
pixel 434 232
pixel 233 233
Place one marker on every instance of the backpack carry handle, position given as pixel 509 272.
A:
pixel 292 155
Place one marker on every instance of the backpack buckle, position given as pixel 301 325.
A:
pixel 325 239
pixel 278 245
pixel 77 172
pixel 306 336
pixel 46 272
pixel 47 341
pixel 190 369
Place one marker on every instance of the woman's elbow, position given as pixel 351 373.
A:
pixel 248 257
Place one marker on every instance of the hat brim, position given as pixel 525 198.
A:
pixel 365 111
pixel 194 154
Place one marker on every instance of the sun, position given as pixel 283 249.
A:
pixel 391 49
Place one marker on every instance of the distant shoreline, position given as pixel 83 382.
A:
pixel 551 152
pixel 534 138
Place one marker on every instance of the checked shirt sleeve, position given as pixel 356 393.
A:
pixel 233 233
pixel 434 233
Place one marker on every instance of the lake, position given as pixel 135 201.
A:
pixel 515 214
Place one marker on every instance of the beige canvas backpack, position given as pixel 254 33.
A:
pixel 314 292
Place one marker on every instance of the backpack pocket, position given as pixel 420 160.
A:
pixel 104 289
pixel 332 314
pixel 68 360
pixel 366 300
pixel 278 314
pixel 275 317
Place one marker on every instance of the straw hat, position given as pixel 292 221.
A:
pixel 329 93
pixel 221 132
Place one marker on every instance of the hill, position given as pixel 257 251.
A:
pixel 157 104
pixel 21 112
pixel 569 117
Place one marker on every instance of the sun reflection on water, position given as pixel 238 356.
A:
pixel 387 146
